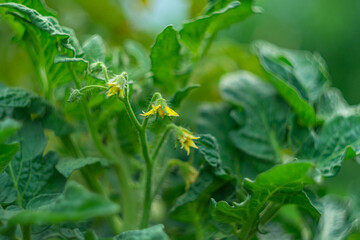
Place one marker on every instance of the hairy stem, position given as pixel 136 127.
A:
pixel 145 152
pixel 127 202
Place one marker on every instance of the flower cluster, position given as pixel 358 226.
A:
pixel 117 85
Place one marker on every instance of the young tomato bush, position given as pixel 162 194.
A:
pixel 122 143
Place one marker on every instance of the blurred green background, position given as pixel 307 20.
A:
pixel 330 27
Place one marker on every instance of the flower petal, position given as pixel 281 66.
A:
pixel 171 113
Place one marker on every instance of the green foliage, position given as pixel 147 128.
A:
pixel 87 154
pixel 152 233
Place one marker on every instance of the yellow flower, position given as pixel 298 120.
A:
pixel 114 89
pixel 117 85
pixel 162 109
pixel 186 140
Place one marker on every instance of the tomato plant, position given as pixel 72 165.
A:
pixel 180 141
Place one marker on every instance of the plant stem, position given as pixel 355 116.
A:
pixel 26 232
pixel 145 152
pixel 127 199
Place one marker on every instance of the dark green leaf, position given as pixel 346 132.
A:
pixel 211 177
pixel 273 185
pixel 165 59
pixel 196 31
pixel 338 140
pixel 31 105
pixel 8 192
pixel 66 166
pixel 152 233
pixel 264 132
pixel 215 119
pixel 48 24
pixel 75 204
pixel 209 148
pixel 299 77
pixel 181 94
pixel 30 171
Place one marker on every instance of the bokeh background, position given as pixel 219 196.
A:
pixel 329 27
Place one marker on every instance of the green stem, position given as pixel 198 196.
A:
pixel 145 152
pixel 127 202
pixel 26 232
pixel 92 86
pixel 147 197
pixel 104 69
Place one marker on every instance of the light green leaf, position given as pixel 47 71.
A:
pixel 152 233
pixel 181 94
pixel 75 204
pixel 263 134
pixel 165 59
pixel 337 140
pixel 299 77
pixel 94 49
pixel 280 182
pixel 333 104
pixel 195 32
pixel 336 222
pixel 66 166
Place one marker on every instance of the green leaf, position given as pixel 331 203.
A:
pixel 337 140
pixel 333 104
pixel 209 148
pixel 75 204
pixel 181 94
pixel 280 182
pixel 8 127
pixel 263 134
pixel 211 177
pixel 8 192
pixel 195 32
pixel 66 166
pixel 7 152
pixel 165 59
pixel 215 119
pixel 336 221
pixel 48 24
pixel 299 77
pixel 152 233
pixel 29 105
pixel 94 49
pixel 31 172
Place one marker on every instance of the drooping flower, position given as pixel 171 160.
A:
pixel 160 107
pixel 117 85
pixel 185 139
